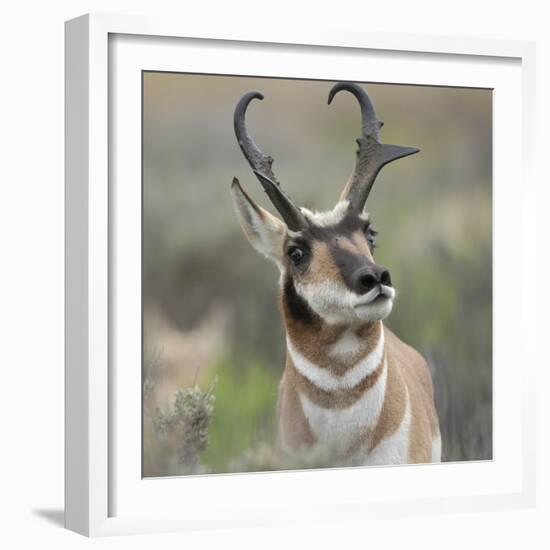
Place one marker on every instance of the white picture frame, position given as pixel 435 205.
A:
pixel 104 490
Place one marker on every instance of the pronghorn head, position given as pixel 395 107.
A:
pixel 325 258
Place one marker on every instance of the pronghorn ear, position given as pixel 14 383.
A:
pixel 265 232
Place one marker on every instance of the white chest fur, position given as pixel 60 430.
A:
pixel 393 449
pixel 339 429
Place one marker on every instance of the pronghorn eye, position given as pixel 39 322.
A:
pixel 296 254
pixel 370 234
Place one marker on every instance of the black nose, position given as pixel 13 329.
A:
pixel 370 276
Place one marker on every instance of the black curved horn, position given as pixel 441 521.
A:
pixel 256 159
pixel 261 165
pixel 371 154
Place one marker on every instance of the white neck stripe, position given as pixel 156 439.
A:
pixel 328 381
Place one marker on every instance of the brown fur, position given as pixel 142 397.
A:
pixel 322 265
pixel 362 245
pixel 291 419
pixel 315 339
pixel 340 399
pixel 416 377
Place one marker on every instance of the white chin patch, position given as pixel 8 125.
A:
pixel 377 310
pixel 330 300
pixel 336 304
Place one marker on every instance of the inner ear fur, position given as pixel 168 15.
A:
pixel 265 232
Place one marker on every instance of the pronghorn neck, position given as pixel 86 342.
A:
pixel 335 346
pixel 339 374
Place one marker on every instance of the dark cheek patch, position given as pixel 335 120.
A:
pixel 297 307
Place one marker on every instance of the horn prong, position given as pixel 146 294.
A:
pixel 372 155
pixel 292 215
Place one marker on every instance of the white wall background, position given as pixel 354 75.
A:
pixel 31 255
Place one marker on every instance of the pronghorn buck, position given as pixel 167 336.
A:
pixel 349 386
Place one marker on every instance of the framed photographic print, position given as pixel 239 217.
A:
pixel 253 334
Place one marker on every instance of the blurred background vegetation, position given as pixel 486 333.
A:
pixel 210 301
